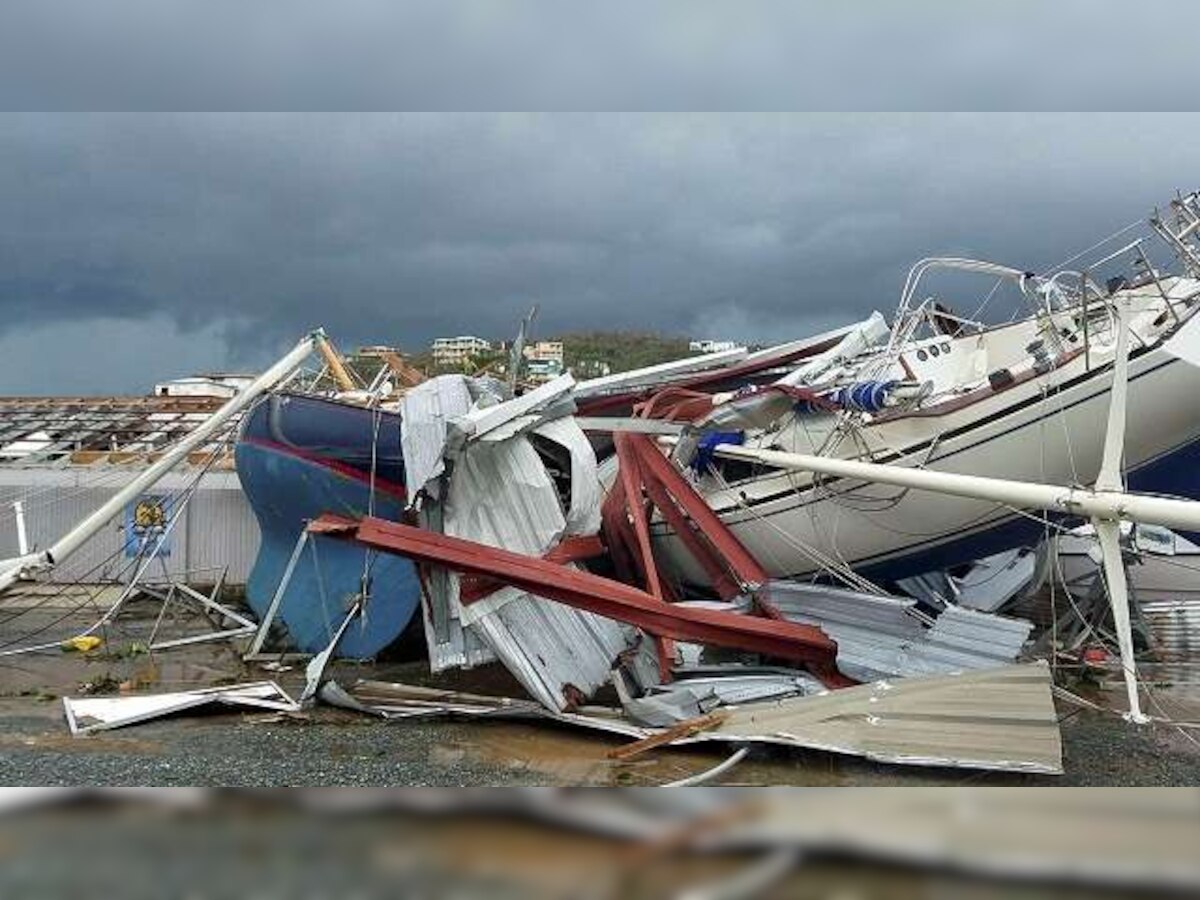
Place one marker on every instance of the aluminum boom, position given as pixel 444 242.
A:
pixel 1104 504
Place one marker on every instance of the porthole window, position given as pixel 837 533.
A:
pixel 934 351
pixel 922 355
pixel 946 347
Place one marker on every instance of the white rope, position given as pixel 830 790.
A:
pixel 755 880
pixel 710 774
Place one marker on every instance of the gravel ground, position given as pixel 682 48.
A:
pixel 236 751
pixel 332 747
pixel 1104 750
pixel 329 747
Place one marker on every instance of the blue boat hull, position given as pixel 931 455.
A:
pixel 298 457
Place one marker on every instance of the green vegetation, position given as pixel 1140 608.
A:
pixel 585 353
pixel 621 350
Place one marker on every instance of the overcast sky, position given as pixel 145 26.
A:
pixel 140 246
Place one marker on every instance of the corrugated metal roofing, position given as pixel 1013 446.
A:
pixel 1000 719
pixel 1175 628
pixel 879 636
pixel 501 495
pixel 425 411
pixel 425 415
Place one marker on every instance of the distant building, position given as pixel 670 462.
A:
pixel 545 351
pixel 454 351
pixel 380 350
pixel 591 368
pixel 543 361
pixel 213 385
pixel 712 346
pixel 542 370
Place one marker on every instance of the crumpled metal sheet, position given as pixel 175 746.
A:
pixel 404 701
pixel 1001 718
pixel 998 719
pixel 687 698
pixel 425 413
pixel 976 635
pixel 995 580
pixel 86 715
pixel 481 421
pixel 501 495
pixel 583 516
pixel 882 637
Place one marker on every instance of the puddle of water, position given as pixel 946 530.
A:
pixel 580 758
pixel 121 659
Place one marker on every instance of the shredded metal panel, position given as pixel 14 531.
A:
pixel 583 514
pixel 880 637
pixel 994 581
pixel 90 714
pixel 502 496
pixel 1001 719
pixel 425 412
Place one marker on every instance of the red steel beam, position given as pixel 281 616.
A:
pixel 741 560
pixel 636 508
pixel 722 583
pixel 631 479
pixel 803 644
pixel 745 567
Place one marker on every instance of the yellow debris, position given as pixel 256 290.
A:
pixel 83 643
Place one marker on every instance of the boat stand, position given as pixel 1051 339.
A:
pixel 181 592
pixel 254 651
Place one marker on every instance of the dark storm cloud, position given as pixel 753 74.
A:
pixel 246 230
pixel 621 54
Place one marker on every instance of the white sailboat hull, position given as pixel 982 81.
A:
pixel 1049 429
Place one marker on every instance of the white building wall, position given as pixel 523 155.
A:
pixel 217 528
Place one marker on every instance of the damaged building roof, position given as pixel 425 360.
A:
pixel 37 431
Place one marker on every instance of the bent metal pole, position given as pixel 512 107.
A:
pixel 13 569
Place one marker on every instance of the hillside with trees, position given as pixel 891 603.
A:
pixel 587 353
pixel 621 350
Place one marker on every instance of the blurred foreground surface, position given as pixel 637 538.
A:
pixel 702 843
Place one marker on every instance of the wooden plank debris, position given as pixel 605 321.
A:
pixel 667 735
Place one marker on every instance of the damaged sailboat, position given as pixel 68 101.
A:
pixel 1022 401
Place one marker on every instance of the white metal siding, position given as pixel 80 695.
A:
pixel 217 529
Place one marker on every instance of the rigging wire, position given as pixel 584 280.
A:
pixel 1136 223
pixel 178 504
pixel 834 565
